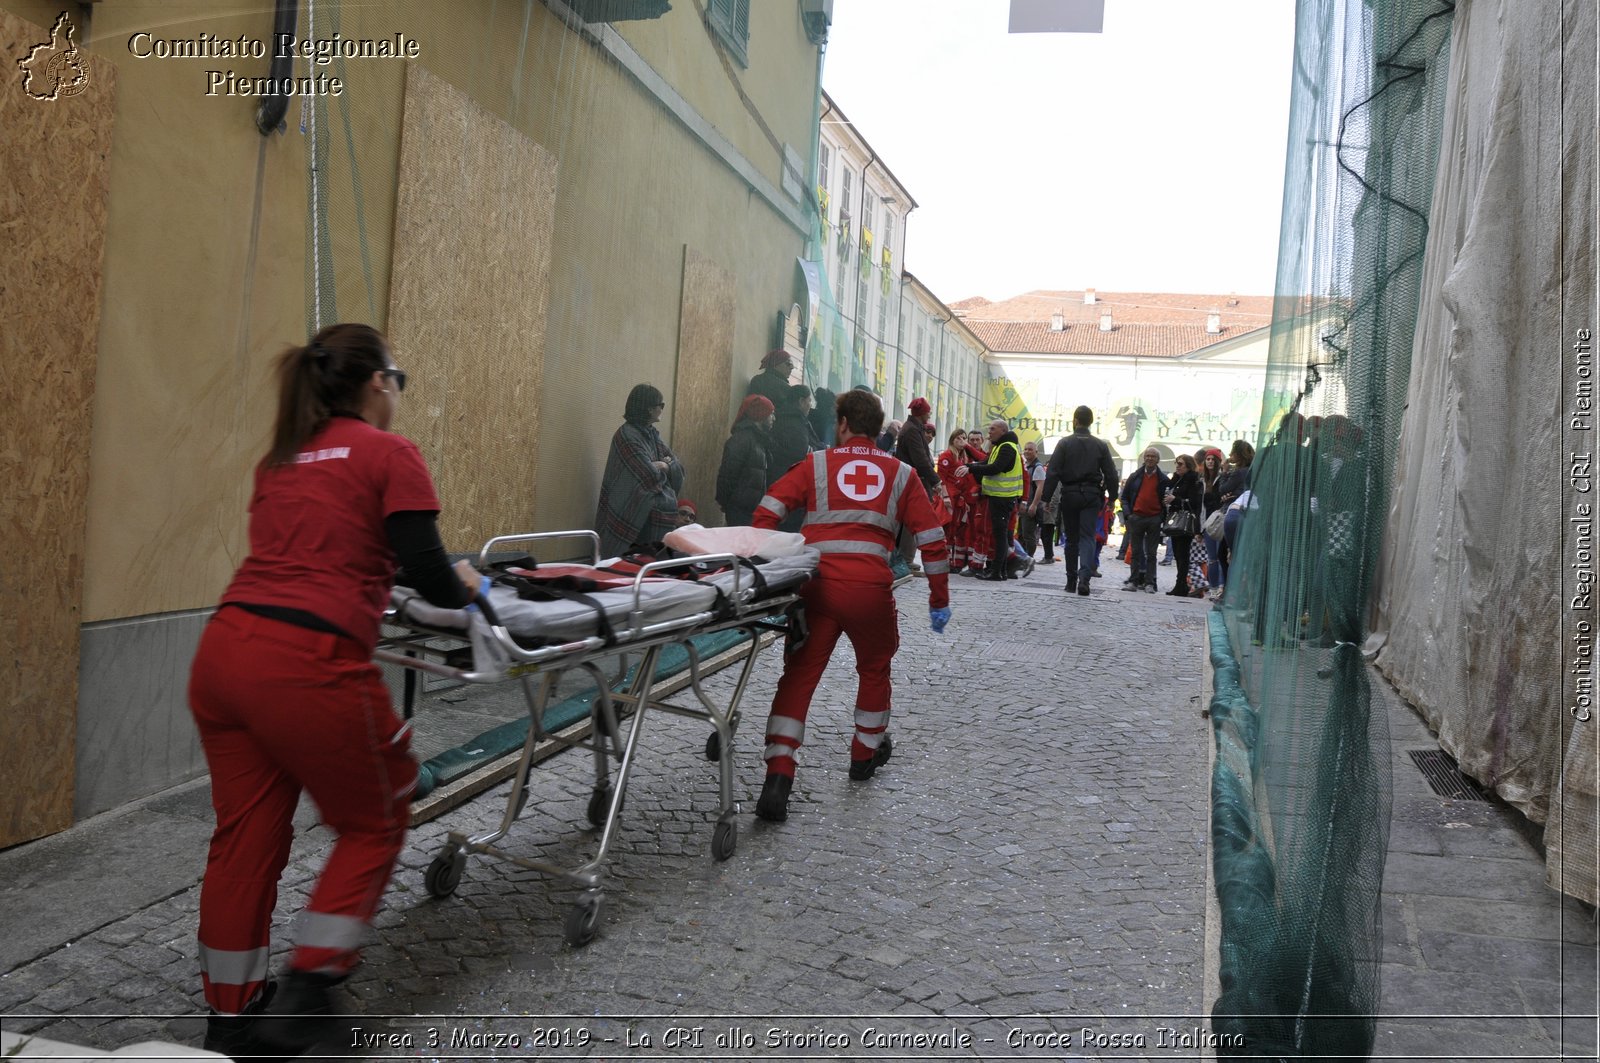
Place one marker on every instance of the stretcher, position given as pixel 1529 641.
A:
pixel 537 643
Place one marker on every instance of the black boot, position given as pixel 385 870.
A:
pixel 236 1035
pixel 861 770
pixel 773 805
pixel 305 1014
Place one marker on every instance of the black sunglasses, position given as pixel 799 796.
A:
pixel 398 376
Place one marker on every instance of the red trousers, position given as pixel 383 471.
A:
pixel 980 536
pixel 864 614
pixel 281 708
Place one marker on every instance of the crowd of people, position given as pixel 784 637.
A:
pixel 999 501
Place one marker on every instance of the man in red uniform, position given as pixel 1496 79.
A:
pixel 855 498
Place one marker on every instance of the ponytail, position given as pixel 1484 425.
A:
pixel 321 379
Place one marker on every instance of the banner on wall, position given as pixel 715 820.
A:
pixel 1176 408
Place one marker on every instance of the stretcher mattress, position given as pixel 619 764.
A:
pixel 535 623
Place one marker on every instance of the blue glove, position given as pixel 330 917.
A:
pixel 938 618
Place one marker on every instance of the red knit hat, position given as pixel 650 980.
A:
pixel 919 406
pixel 755 407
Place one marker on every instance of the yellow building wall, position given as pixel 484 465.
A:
pixel 779 56
pixel 206 275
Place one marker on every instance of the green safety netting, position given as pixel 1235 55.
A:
pixel 1301 784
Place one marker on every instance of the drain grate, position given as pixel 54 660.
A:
pixel 1445 778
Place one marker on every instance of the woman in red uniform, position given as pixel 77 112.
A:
pixel 960 491
pixel 286 697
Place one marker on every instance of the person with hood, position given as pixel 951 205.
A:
pixel 639 491
pixel 772 382
pixel 742 477
pixel 821 417
pixel 790 439
pixel 1001 487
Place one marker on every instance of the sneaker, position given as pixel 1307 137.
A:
pixel 1047 561
pixel 304 1015
pixel 1027 568
pixel 773 805
pixel 861 770
pixel 1150 588
pixel 1132 585
pixel 898 567
pixel 968 572
pixel 1095 574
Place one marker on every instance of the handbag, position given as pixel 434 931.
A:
pixel 1182 522
pixel 1214 524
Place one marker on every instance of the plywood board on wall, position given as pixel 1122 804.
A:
pixel 55 138
pixel 467 304
pixel 701 416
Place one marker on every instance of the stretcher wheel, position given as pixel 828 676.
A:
pixel 599 805
pixel 724 839
pixel 713 747
pixel 444 874
pixel 584 919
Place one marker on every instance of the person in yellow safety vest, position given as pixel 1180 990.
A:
pixel 1002 486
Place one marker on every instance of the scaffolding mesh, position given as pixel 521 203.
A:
pixel 1301 790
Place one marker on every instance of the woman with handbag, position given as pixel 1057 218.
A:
pixel 1183 500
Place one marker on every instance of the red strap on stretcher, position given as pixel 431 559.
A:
pixel 603 579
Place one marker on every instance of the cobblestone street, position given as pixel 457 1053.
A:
pixel 1036 847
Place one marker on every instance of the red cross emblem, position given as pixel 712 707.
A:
pixel 861 481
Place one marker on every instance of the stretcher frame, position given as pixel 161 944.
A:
pixel 539 670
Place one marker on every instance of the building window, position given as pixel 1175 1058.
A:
pixel 730 21
pixel 824 163
pixel 862 324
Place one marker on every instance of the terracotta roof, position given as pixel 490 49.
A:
pixel 1132 340
pixel 1143 308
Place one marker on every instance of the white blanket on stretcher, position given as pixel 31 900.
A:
pixel 567 621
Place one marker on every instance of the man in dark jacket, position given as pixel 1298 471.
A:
pixel 1081 464
pixel 911 447
pixel 1142 501
pixel 772 383
pixel 1002 487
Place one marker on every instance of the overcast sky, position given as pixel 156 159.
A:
pixel 1145 158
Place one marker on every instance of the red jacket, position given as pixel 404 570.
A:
pixel 856 497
